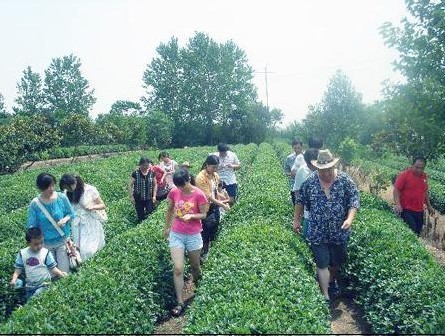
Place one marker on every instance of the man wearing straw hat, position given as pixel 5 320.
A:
pixel 332 199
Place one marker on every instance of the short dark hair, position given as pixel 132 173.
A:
pixel 315 143
pixel 297 142
pixel 181 177
pixel 163 154
pixel 419 158
pixel 211 160
pixel 44 180
pixel 33 233
pixel 144 160
pixel 223 147
pixel 309 155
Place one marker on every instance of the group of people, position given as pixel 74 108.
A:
pixel 195 206
pixel 326 201
pixel 53 219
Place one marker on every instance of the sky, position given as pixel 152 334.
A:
pixel 300 42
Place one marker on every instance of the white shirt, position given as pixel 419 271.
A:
pixel 226 174
pixel 299 161
pixel 302 173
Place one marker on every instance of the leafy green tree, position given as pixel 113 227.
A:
pixel 23 138
pixel 30 95
pixel 340 113
pixel 4 115
pixel 159 128
pixel 125 107
pixel 416 107
pixel 77 129
pixel 66 91
pixel 203 88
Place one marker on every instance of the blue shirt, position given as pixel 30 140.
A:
pixel 326 216
pixel 58 209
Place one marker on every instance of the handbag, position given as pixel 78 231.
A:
pixel 72 250
pixel 162 193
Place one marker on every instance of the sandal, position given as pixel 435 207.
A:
pixel 177 311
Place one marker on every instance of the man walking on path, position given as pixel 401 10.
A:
pixel 291 159
pixel 228 164
pixel 411 195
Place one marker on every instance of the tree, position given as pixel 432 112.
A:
pixel 77 130
pixel 203 87
pixel 4 115
pixel 340 113
pixel 418 104
pixel 125 107
pixel 159 130
pixel 24 137
pixel 30 96
pixel 66 91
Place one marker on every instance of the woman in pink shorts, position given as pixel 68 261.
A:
pixel 187 207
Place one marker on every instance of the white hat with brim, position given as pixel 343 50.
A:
pixel 324 160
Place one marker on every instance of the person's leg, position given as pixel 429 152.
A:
pixel 292 195
pixel 321 255
pixel 419 220
pixel 337 259
pixel 232 190
pixel 139 206
pixel 149 208
pixel 61 256
pixel 195 264
pixel 409 218
pixel 177 255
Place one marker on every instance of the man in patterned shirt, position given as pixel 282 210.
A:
pixel 332 199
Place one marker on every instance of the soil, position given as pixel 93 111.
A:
pixel 346 316
pixel 174 325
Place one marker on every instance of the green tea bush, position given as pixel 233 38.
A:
pixel 399 283
pixel 256 282
pixel 125 288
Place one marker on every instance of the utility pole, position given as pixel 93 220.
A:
pixel 265 72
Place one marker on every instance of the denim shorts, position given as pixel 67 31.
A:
pixel 187 242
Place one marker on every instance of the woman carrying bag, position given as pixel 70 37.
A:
pixel 52 213
pixel 88 232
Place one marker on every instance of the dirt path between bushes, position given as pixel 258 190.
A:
pixel 346 316
pixel 56 162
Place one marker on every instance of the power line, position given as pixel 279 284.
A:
pixel 265 72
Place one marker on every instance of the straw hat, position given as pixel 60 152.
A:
pixel 325 160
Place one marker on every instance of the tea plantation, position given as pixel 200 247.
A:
pixel 259 277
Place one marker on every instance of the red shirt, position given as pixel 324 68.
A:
pixel 413 189
pixel 159 172
pixel 186 204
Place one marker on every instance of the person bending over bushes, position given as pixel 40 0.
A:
pixel 37 262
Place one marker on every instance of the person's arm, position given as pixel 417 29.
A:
pixel 98 204
pixel 130 189
pixel 169 218
pixel 428 203
pixel 203 208
pixel 348 221
pixel 68 210
pixel 57 272
pixel 155 189
pixel 31 219
pixel 298 212
pixel 15 276
pixel 396 195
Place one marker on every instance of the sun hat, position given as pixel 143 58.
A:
pixel 324 160
pixel 186 164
